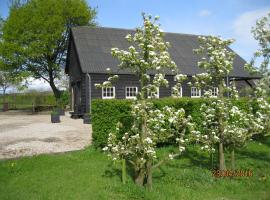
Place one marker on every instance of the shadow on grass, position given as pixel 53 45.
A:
pixel 115 171
pixel 262 139
pixel 254 155
pixel 112 171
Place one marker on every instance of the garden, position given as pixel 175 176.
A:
pixel 172 148
pixel 88 174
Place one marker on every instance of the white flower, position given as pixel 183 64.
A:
pixel 150 151
pixel 170 156
pixel 181 148
pixel 108 69
pixel 182 141
pixel 105 148
pixel 156 17
pixel 171 119
pixel 148 140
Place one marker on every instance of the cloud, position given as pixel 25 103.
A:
pixel 204 13
pixel 243 24
pixel 245 44
pixel 38 84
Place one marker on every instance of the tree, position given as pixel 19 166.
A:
pixel 5 83
pixel 10 79
pixel 261 33
pixel 35 36
pixel 150 126
pixel 223 124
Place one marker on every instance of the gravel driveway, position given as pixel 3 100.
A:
pixel 23 134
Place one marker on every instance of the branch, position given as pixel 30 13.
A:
pixel 43 77
pixel 164 161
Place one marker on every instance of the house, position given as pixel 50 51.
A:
pixel 89 55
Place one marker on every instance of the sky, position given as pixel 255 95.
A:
pixel 225 18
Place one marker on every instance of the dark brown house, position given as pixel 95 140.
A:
pixel 89 55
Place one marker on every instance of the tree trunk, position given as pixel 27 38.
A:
pixel 4 95
pixel 124 171
pixel 149 175
pixel 139 177
pixel 56 92
pixel 232 159
pixel 222 165
pixel 212 160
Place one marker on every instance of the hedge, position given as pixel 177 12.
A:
pixel 39 99
pixel 106 113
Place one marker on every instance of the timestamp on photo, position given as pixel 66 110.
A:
pixel 232 173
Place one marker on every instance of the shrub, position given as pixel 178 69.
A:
pixel 41 100
pixel 106 113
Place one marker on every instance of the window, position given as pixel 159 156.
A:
pixel 154 94
pixel 214 92
pixel 108 92
pixel 180 93
pixel 131 92
pixel 195 92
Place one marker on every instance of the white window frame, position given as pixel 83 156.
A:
pixel 108 97
pixel 131 97
pixel 213 91
pixel 197 90
pixel 151 96
pixel 181 93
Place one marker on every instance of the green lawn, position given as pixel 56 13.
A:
pixel 87 174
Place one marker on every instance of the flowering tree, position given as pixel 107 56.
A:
pixel 261 119
pixel 223 124
pixel 151 126
pixel 261 32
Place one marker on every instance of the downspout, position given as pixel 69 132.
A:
pixel 89 91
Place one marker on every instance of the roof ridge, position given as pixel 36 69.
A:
pixel 126 29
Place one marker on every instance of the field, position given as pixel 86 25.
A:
pixel 88 174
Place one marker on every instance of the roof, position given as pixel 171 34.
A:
pixel 93 46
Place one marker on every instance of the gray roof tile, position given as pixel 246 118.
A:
pixel 94 45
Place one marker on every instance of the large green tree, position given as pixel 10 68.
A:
pixel 35 36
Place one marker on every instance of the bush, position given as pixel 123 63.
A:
pixel 41 100
pixel 106 113
pixel 63 101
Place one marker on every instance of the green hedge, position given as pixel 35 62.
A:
pixel 106 113
pixel 25 100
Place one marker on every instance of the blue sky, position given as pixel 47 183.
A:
pixel 226 18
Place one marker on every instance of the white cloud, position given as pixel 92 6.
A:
pixel 38 84
pixel 33 84
pixel 245 44
pixel 204 13
pixel 243 24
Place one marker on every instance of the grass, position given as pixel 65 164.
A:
pixel 88 174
